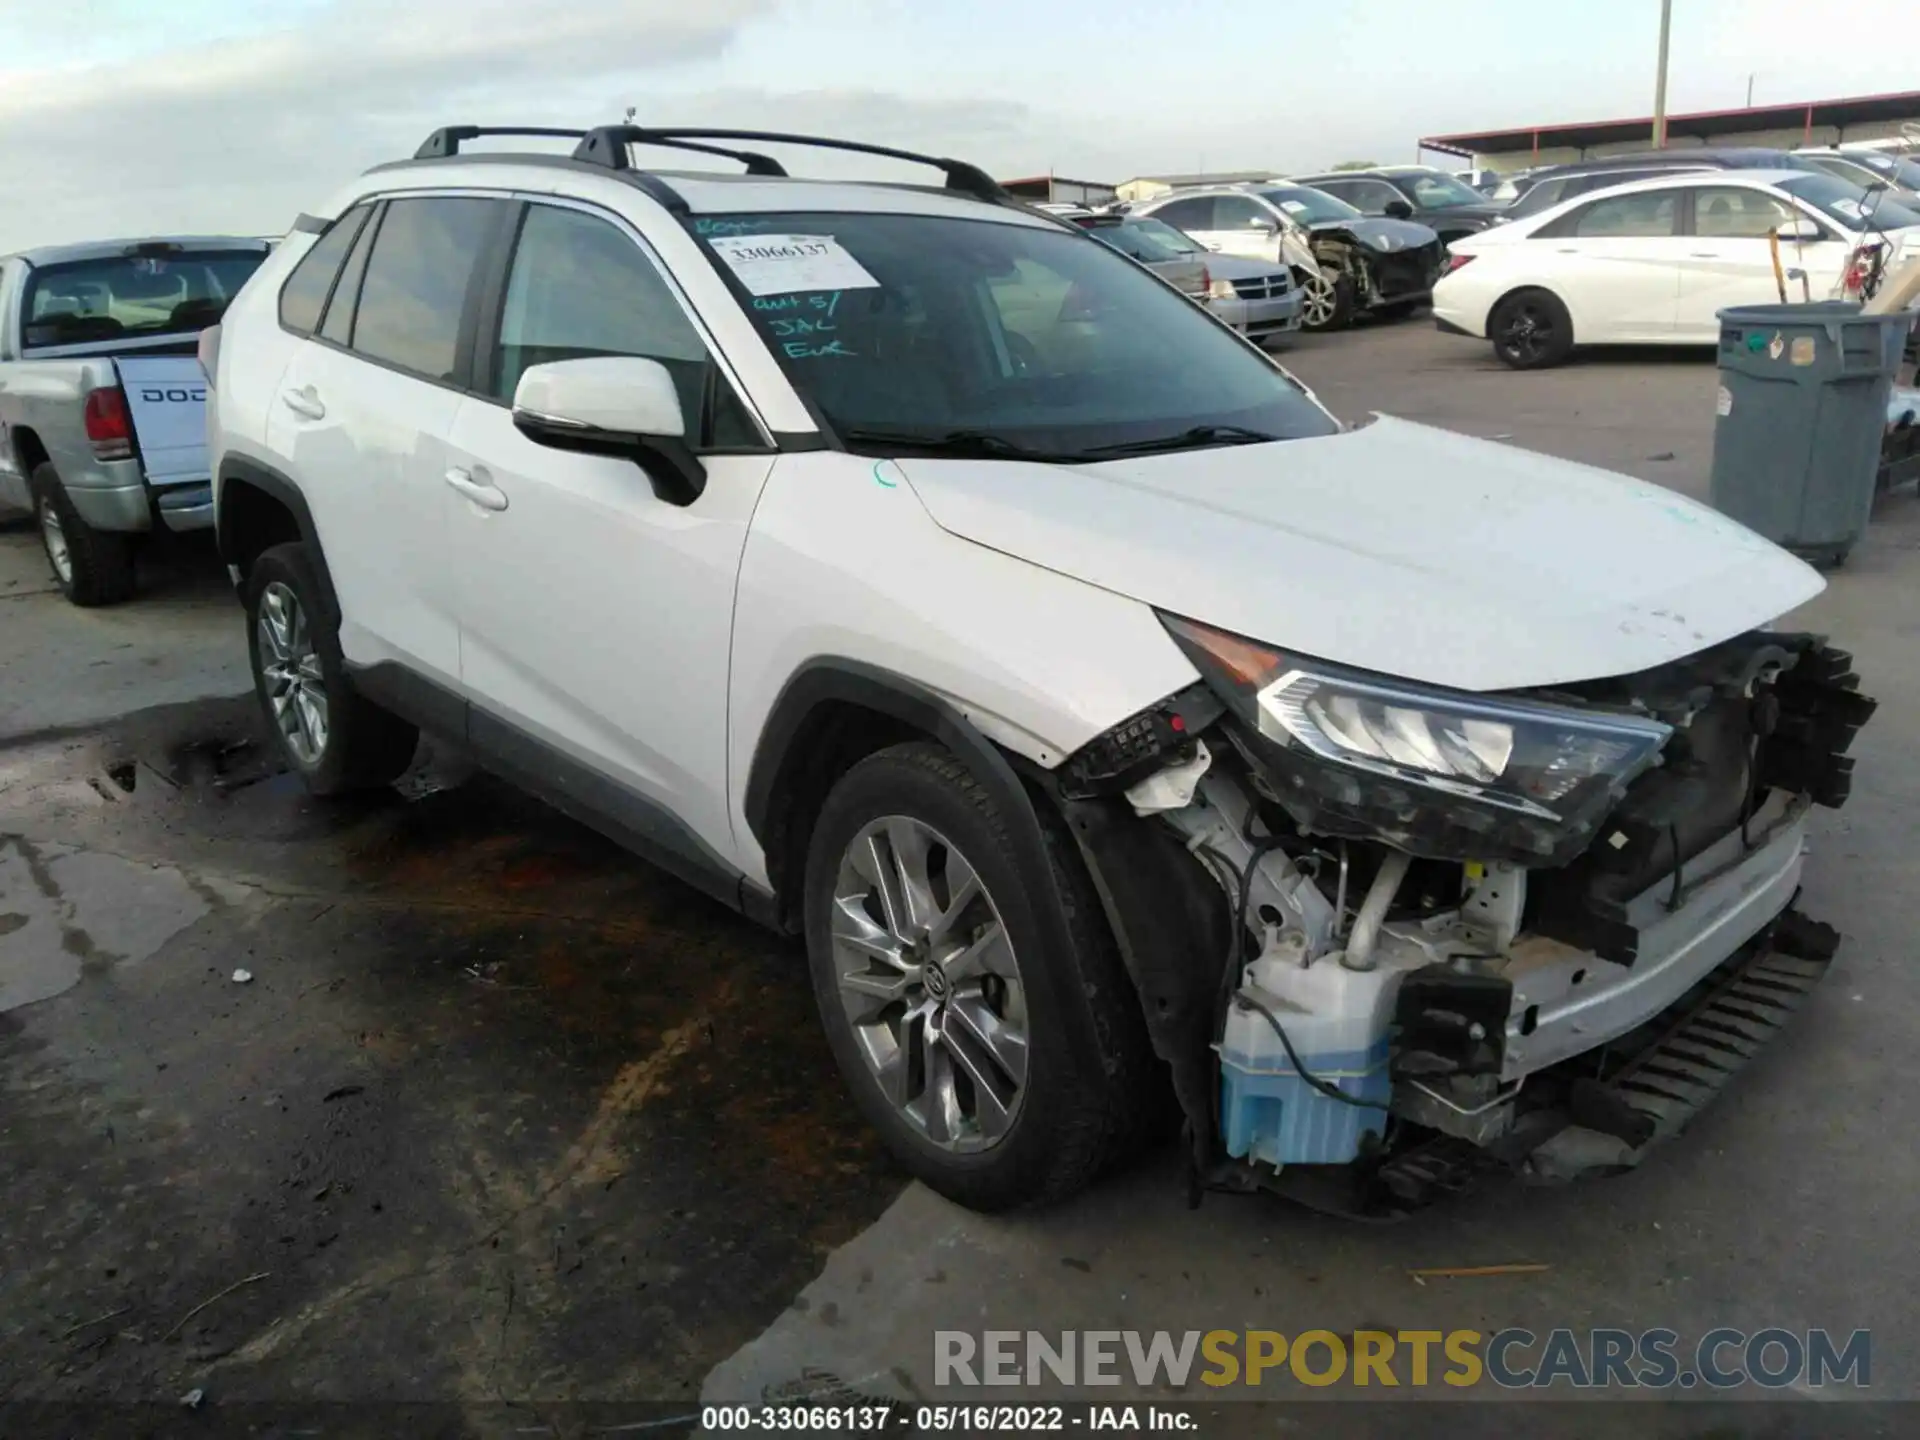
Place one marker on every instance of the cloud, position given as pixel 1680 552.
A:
pixel 240 133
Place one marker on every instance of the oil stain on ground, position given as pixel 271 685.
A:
pixel 501 1115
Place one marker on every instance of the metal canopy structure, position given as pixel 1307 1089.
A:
pixel 1702 126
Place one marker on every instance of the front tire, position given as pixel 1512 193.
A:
pixel 999 1071
pixel 91 567
pixel 1328 300
pixel 1531 330
pixel 332 737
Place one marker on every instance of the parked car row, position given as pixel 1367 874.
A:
pixel 1655 260
pixel 1345 263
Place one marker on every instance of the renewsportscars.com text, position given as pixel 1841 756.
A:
pixel 1772 1358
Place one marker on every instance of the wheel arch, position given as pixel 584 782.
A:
pixel 1520 287
pixel 832 714
pixel 259 507
pixel 29 451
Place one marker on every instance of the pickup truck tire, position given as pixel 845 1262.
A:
pixel 328 733
pixel 999 1072
pixel 92 567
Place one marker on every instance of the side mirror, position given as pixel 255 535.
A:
pixel 1398 210
pixel 1800 230
pixel 617 405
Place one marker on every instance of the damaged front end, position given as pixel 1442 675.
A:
pixel 1386 936
pixel 1381 269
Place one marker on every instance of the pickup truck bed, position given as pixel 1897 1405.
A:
pixel 102 398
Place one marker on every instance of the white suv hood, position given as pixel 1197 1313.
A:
pixel 1396 548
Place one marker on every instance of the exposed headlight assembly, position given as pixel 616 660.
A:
pixel 1544 761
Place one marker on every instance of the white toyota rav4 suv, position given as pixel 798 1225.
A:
pixel 1122 733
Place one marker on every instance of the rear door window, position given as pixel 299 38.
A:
pixel 418 277
pixel 1193 213
pixel 1729 212
pixel 304 296
pixel 1622 217
pixel 1239 212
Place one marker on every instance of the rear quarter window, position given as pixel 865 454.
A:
pixel 304 295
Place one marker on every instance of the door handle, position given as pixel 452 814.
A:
pixel 1703 254
pixel 304 402
pixel 487 497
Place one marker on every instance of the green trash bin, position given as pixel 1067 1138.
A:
pixel 1802 409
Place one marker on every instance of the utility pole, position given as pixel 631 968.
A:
pixel 1660 80
pixel 1749 92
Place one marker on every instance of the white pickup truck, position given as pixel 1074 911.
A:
pixel 102 399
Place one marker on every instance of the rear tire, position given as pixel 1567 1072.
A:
pixel 92 567
pixel 1531 330
pixel 333 738
pixel 1014 1074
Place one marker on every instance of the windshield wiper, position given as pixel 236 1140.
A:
pixel 965 444
pixel 1192 439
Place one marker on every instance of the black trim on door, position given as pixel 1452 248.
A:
pixel 434 708
pixel 571 786
pixel 481 324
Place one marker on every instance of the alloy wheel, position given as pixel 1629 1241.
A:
pixel 1528 333
pixel 927 976
pixel 53 534
pixel 290 671
pixel 1320 298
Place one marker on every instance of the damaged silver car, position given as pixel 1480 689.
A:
pixel 1348 265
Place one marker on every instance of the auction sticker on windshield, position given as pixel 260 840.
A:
pixel 786 264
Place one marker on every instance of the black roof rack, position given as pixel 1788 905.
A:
pixel 448 139
pixel 607 145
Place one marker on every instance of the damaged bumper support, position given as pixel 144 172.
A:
pixel 1369 1020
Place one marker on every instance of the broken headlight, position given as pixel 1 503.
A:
pixel 1545 761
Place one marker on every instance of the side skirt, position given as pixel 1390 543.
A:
pixel 574 788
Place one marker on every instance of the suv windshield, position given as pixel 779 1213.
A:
pixel 1853 207
pixel 134 296
pixel 1309 206
pixel 994 338
pixel 1437 192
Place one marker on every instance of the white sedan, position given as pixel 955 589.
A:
pixel 1655 261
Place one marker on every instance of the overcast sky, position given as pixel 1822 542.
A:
pixel 128 117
